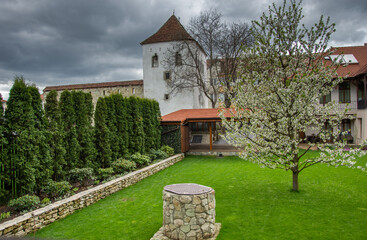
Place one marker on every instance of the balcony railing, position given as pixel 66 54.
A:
pixel 353 105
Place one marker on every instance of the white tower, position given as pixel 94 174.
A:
pixel 155 75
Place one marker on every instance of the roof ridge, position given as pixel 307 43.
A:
pixel 94 85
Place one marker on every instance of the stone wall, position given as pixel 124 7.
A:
pixel 37 219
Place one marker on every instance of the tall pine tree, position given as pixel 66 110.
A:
pixel 57 135
pixel 136 128
pixel 3 144
pixel 68 120
pixel 84 130
pixel 102 134
pixel 122 125
pixel 41 139
pixel 22 158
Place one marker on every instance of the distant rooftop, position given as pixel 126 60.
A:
pixel 355 56
pixel 172 30
pixel 184 115
pixel 94 85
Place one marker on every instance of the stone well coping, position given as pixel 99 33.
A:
pixel 119 183
pixel 187 189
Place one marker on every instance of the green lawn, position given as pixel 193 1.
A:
pixel 252 203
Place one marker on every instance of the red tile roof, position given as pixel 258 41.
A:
pixel 353 70
pixel 184 115
pixel 172 30
pixel 94 85
pixel 3 100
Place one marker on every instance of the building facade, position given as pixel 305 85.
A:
pixel 97 90
pixel 351 94
pixel 157 76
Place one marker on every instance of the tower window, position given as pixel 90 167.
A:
pixel 155 61
pixel 133 91
pixel 166 96
pixel 167 75
pixel 178 59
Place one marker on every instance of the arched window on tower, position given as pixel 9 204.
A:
pixel 178 59
pixel 155 61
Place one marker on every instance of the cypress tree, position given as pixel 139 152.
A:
pixel 111 124
pixel 57 135
pixel 102 134
pixel 156 122
pixel 136 129
pixel 148 124
pixel 22 157
pixel 122 125
pixel 83 124
pixel 3 144
pixel 41 139
pixel 68 120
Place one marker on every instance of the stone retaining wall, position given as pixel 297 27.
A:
pixel 37 219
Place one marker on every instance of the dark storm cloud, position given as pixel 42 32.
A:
pixel 81 41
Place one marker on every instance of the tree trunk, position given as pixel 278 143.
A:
pixel 295 181
pixel 227 102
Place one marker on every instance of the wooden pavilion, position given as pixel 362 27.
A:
pixel 204 122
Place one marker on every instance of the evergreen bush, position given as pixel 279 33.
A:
pixel 140 159
pixel 57 189
pixel 24 203
pixel 81 175
pixel 104 173
pixel 123 165
pixel 167 149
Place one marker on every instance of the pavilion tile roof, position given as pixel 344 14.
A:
pixel 354 69
pixel 172 30
pixel 94 85
pixel 184 115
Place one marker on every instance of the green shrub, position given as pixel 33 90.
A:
pixel 4 215
pixel 24 203
pixel 104 173
pixel 57 189
pixel 45 201
pixel 81 175
pixel 157 154
pixel 167 149
pixel 140 159
pixel 123 165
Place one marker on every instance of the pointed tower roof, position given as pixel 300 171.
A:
pixel 172 30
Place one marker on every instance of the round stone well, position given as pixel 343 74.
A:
pixel 188 213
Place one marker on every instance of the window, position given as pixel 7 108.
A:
pixel 346 125
pixel 178 59
pixel 325 99
pixel 344 92
pixel 167 75
pixel 166 96
pixel 155 61
pixel 104 92
pixel 133 90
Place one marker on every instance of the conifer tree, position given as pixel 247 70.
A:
pixel 136 128
pixel 111 124
pixel 3 143
pixel 156 122
pixel 71 142
pixel 148 115
pixel 22 157
pixel 122 125
pixel 41 139
pixel 83 126
pixel 56 140
pixel 102 134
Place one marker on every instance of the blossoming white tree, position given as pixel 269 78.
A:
pixel 283 79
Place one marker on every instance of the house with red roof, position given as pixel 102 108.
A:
pixel 352 92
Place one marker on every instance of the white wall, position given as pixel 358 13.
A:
pixel 155 87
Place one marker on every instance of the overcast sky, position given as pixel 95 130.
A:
pixel 53 42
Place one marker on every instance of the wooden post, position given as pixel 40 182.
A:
pixel 210 136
